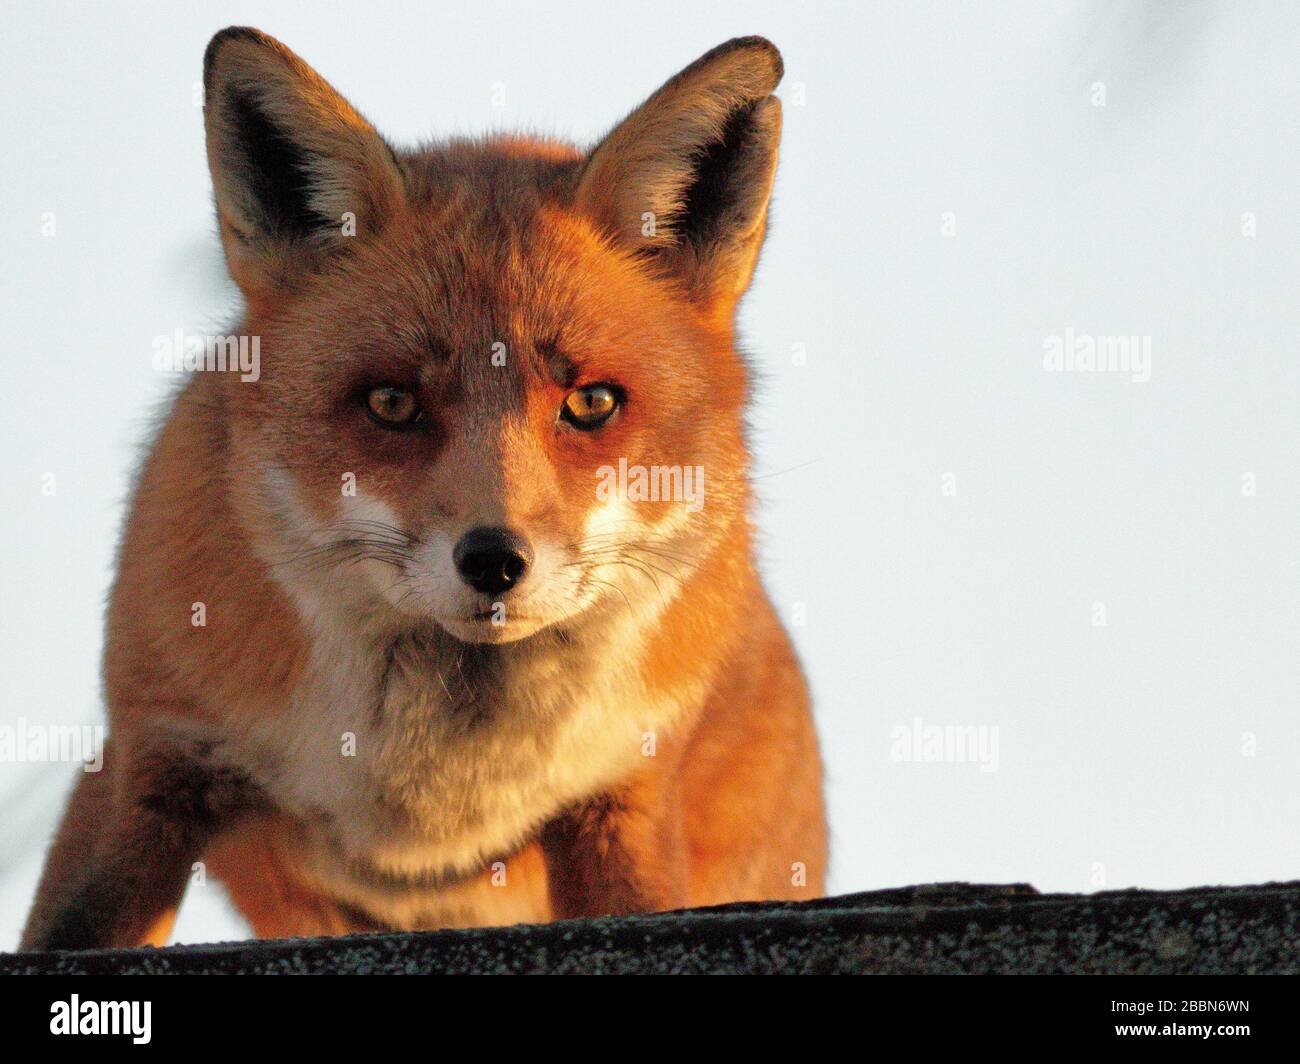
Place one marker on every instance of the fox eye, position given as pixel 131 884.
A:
pixel 589 407
pixel 393 407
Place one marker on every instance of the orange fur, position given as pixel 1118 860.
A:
pixel 345 742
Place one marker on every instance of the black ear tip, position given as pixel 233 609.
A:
pixel 233 35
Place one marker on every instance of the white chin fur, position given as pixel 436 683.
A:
pixel 484 631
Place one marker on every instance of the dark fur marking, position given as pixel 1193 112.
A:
pixel 189 789
pixel 275 169
pixel 715 190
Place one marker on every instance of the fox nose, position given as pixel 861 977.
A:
pixel 492 560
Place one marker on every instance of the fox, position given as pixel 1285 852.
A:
pixel 398 639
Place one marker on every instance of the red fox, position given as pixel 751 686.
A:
pixel 448 615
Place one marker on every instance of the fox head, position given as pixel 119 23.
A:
pixel 499 386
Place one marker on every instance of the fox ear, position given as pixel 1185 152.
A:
pixel 685 179
pixel 295 169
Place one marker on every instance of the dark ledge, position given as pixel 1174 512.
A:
pixel 941 928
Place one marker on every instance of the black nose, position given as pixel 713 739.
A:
pixel 492 560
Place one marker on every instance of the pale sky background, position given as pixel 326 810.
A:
pixel 1159 750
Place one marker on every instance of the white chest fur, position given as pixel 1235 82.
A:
pixel 424 756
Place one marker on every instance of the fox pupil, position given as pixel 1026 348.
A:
pixel 392 406
pixel 591 406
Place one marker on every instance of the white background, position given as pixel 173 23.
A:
pixel 1123 749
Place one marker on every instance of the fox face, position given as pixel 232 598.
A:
pixel 499 385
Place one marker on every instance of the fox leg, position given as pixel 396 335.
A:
pixel 118 867
pixel 621 852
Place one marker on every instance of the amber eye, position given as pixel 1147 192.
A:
pixel 394 408
pixel 589 407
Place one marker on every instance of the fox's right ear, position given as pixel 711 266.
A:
pixel 296 171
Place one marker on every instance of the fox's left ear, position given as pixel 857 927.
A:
pixel 686 177
pixel 296 171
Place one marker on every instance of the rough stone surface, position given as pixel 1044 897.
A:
pixel 952 928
